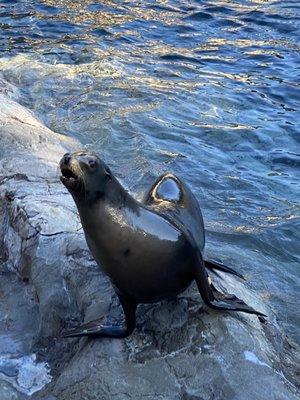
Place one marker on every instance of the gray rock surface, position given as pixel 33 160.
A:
pixel 180 349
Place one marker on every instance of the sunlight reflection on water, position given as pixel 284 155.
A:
pixel 206 90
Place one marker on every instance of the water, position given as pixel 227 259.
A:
pixel 207 90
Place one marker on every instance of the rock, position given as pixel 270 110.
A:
pixel 180 349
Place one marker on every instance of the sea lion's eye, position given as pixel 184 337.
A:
pixel 92 164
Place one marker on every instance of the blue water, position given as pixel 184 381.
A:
pixel 207 90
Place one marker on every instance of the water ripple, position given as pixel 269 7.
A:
pixel 208 90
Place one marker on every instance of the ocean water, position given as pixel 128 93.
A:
pixel 206 89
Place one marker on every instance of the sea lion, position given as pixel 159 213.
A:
pixel 150 250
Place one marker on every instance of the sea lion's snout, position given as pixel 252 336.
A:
pixel 69 176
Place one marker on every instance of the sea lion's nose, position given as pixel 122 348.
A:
pixel 66 158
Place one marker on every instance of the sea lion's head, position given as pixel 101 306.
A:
pixel 84 175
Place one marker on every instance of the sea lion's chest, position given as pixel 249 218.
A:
pixel 139 250
pixel 120 237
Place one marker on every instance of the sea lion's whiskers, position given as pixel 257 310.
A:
pixel 80 177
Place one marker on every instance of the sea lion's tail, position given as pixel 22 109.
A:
pixel 213 265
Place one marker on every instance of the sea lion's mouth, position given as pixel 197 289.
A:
pixel 67 173
pixel 69 178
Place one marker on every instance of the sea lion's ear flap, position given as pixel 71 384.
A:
pixel 107 174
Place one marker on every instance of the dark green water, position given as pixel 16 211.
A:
pixel 208 90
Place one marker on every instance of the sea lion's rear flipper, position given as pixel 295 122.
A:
pixel 97 329
pixel 230 300
pixel 213 265
pixel 215 299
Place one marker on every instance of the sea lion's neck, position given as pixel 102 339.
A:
pixel 114 196
pixel 108 222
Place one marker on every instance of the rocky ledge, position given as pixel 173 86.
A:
pixel 180 349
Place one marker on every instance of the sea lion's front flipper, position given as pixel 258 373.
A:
pixel 213 265
pixel 215 299
pixel 97 329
